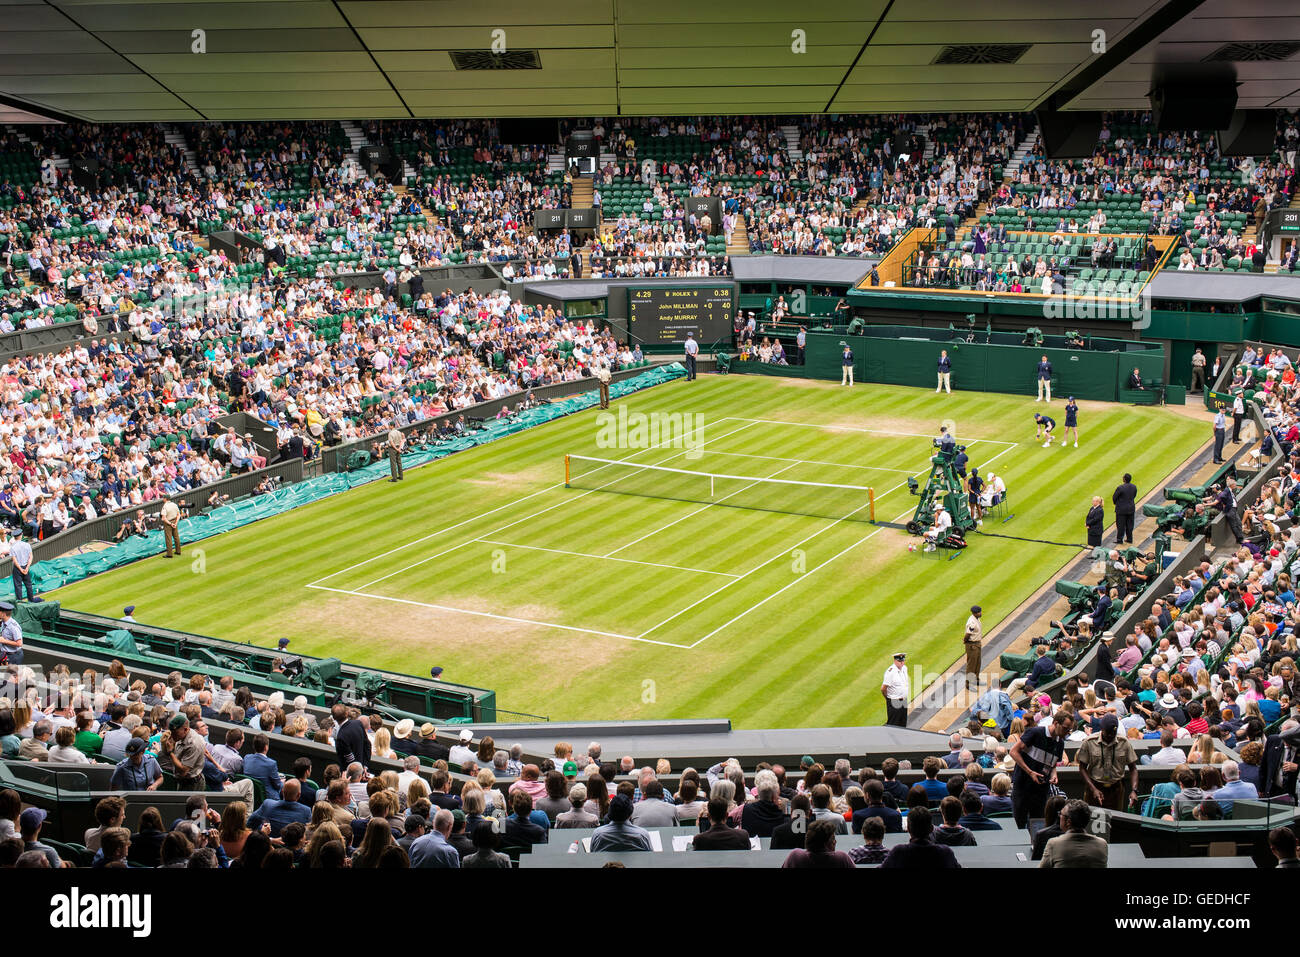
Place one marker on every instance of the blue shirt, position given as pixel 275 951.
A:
pixel 130 776
pixel 1044 370
pixel 278 813
pixel 1241 790
pixel 433 851
pixel 21 553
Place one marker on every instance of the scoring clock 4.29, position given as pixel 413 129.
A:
pixel 664 315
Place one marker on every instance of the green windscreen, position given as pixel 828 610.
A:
pixel 846 502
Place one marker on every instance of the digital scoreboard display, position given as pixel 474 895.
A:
pixel 663 315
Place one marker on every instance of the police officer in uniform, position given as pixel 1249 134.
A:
pixel 1220 433
pixel 395 442
pixel 801 342
pixel 945 373
pixel 692 350
pixel 1238 413
pixel 11 635
pixel 895 691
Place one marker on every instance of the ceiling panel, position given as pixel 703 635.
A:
pixel 115 59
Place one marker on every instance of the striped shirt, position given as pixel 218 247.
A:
pixel 1041 753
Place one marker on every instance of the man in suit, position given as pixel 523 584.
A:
pixel 1125 501
pixel 1282 842
pixel 1095 522
pixel 350 741
pixel 259 767
pixel 719 836
pixel 1281 761
pixel 1075 848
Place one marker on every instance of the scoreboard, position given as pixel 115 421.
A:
pixel 663 315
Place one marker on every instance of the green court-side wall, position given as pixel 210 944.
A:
pixel 1085 374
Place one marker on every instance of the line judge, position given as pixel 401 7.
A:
pixel 602 379
pixel 395 442
pixel 895 691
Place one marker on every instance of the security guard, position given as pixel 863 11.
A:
pixel 395 442
pixel 973 639
pixel 692 351
pixel 1238 414
pixel 801 342
pixel 602 378
pixel 11 635
pixel 945 372
pixel 896 693
pixel 1220 433
pixel 1044 380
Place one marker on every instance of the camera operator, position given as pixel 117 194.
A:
pixel 1224 498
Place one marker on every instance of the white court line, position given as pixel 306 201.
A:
pixel 850 428
pixel 560 551
pixel 796 581
pixel 842 465
pixel 696 512
pixel 509 504
pixel 782 554
pixel 543 511
pixel 1014 445
pixel 487 614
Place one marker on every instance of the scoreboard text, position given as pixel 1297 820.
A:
pixel 663 315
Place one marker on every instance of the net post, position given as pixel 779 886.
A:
pixel 871 499
pixel 566 471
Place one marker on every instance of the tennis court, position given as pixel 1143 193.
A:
pixel 624 549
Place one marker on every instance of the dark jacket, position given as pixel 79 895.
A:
pixel 786 838
pixel 1095 522
pixel 1125 498
pixel 921 855
pixel 719 837
pixel 1274 756
pixel 522 833
pixel 351 744
pixel 761 818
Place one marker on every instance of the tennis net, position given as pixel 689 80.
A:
pixel 817 499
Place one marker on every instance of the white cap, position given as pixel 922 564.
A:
pixel 466 735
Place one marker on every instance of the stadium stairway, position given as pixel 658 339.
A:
pixel 1011 171
pixel 174 137
pixel 791 134
pixel 582 193
pixel 738 241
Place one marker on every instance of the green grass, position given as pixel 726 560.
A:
pixel 770 619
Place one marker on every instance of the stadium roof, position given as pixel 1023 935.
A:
pixel 301 59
